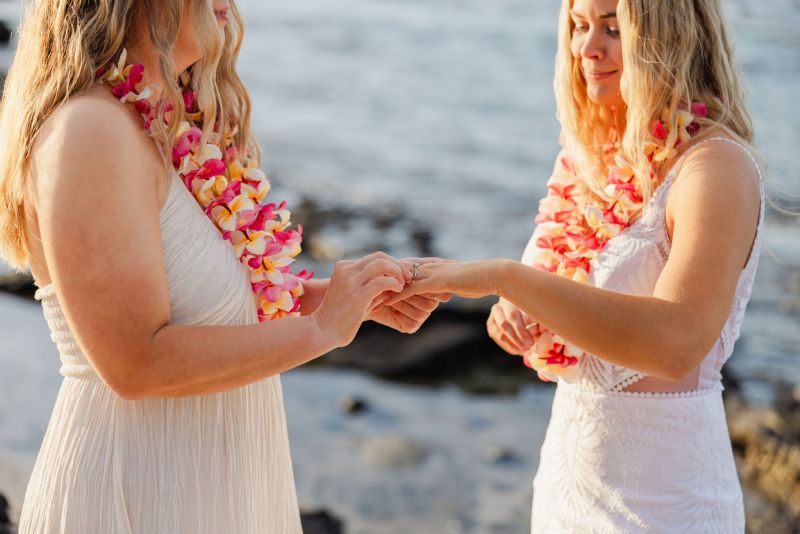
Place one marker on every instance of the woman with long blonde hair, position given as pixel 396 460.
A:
pixel 632 290
pixel 130 186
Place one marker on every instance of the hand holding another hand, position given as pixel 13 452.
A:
pixel 355 288
pixel 408 315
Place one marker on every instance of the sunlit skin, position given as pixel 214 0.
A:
pixel 597 47
pixel 101 249
pixel 711 218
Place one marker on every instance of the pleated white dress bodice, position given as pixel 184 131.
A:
pixel 204 464
pixel 615 461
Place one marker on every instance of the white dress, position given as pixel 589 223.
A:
pixel 203 464
pixel 615 461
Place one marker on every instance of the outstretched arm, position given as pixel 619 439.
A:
pixel 714 205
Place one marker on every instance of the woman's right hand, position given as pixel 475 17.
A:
pixel 509 327
pixel 356 287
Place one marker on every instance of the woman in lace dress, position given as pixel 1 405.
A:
pixel 170 416
pixel 637 440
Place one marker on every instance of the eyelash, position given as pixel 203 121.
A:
pixel 582 28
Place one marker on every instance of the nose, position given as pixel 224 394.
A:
pixel 594 45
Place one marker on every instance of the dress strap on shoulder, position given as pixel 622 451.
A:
pixel 691 149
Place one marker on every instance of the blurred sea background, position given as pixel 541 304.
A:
pixel 421 127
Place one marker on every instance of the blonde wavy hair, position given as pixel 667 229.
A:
pixel 673 53
pixel 62 43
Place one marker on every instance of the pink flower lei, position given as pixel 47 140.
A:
pixel 231 190
pixel 573 226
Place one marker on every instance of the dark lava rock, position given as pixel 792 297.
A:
pixel 17 283
pixel 501 456
pixel 354 405
pixel 320 522
pixel 5 33
pixel 766 444
pixel 5 521
pixel 452 347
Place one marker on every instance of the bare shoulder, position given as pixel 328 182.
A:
pixel 89 133
pixel 721 166
pixel 718 172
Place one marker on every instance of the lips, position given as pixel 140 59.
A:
pixel 594 74
pixel 221 11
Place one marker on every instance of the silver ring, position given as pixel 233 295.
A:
pixel 414 272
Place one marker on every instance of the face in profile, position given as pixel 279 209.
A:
pixel 597 48
pixel 221 9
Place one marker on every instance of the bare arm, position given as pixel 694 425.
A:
pixel 314 293
pixel 94 175
pixel 666 335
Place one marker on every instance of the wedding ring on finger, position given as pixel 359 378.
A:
pixel 414 269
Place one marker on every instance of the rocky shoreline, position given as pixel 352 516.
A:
pixel 766 445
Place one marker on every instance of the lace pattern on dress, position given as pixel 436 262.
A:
pixel 631 263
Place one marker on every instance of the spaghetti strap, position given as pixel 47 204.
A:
pixel 691 149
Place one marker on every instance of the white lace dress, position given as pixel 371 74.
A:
pixel 195 465
pixel 616 461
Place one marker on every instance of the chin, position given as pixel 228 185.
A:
pixel 604 96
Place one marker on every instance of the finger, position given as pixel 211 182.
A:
pixel 406 324
pixel 542 377
pixel 405 267
pixel 412 312
pixel 377 302
pixel 380 267
pixel 438 297
pixel 507 328
pixel 518 323
pixel 378 285
pixel 506 344
pixel 421 302
pixel 417 288
pixel 511 347
pixel 493 328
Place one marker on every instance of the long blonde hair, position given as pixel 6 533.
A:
pixel 62 43
pixel 673 55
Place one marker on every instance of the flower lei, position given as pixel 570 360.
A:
pixel 574 226
pixel 231 189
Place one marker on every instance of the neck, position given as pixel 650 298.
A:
pixel 618 119
pixel 147 56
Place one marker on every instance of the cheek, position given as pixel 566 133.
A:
pixel 615 52
pixel 576 45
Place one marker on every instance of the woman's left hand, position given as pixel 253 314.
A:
pixel 407 315
pixel 470 279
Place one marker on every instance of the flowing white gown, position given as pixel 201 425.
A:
pixel 203 464
pixel 619 462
